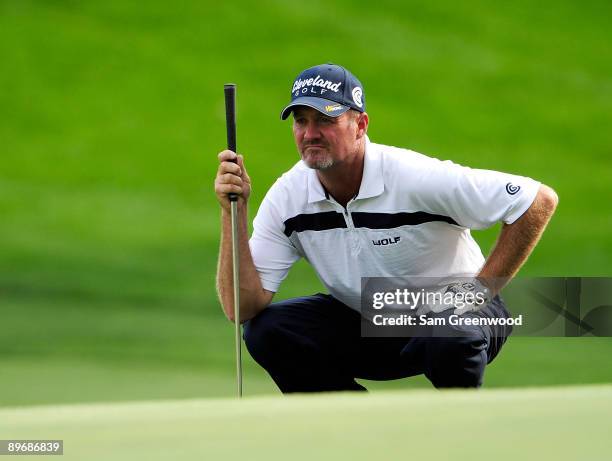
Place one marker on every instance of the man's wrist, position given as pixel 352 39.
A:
pixel 493 284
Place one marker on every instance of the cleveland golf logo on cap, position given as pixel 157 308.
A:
pixel 301 86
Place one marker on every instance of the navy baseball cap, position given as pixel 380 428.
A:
pixel 328 88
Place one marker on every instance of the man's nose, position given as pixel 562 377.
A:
pixel 312 131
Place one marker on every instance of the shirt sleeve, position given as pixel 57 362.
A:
pixel 476 198
pixel 272 251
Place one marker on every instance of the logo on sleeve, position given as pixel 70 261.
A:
pixel 512 189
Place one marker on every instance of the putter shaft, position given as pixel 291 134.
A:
pixel 236 276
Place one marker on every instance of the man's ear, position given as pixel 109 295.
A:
pixel 362 124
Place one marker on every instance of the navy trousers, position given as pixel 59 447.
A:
pixel 314 344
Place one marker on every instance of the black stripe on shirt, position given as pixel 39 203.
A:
pixel 391 220
pixel 332 220
pixel 314 222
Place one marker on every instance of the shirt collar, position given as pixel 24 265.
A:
pixel 316 193
pixel 372 182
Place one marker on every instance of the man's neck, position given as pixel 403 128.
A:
pixel 343 181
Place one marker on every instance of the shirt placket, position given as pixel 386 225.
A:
pixel 355 241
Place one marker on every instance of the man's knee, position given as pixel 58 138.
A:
pixel 261 336
pixel 457 361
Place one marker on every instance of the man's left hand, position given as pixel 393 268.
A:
pixel 475 295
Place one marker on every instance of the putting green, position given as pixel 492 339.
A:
pixel 549 423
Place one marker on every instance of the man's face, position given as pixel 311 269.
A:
pixel 321 140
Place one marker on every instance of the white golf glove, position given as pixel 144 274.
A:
pixel 474 293
pixel 465 296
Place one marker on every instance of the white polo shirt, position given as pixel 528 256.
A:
pixel 411 217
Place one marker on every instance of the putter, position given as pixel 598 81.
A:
pixel 230 122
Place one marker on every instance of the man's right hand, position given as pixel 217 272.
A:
pixel 231 178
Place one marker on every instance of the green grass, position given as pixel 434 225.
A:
pixel 561 424
pixel 111 115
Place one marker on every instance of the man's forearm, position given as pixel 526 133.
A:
pixel 253 298
pixel 517 240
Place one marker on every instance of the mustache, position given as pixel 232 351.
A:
pixel 315 142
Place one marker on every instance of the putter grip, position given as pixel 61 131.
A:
pixel 230 122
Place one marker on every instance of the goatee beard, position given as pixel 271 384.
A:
pixel 322 164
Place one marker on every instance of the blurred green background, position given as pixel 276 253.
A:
pixel 111 116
